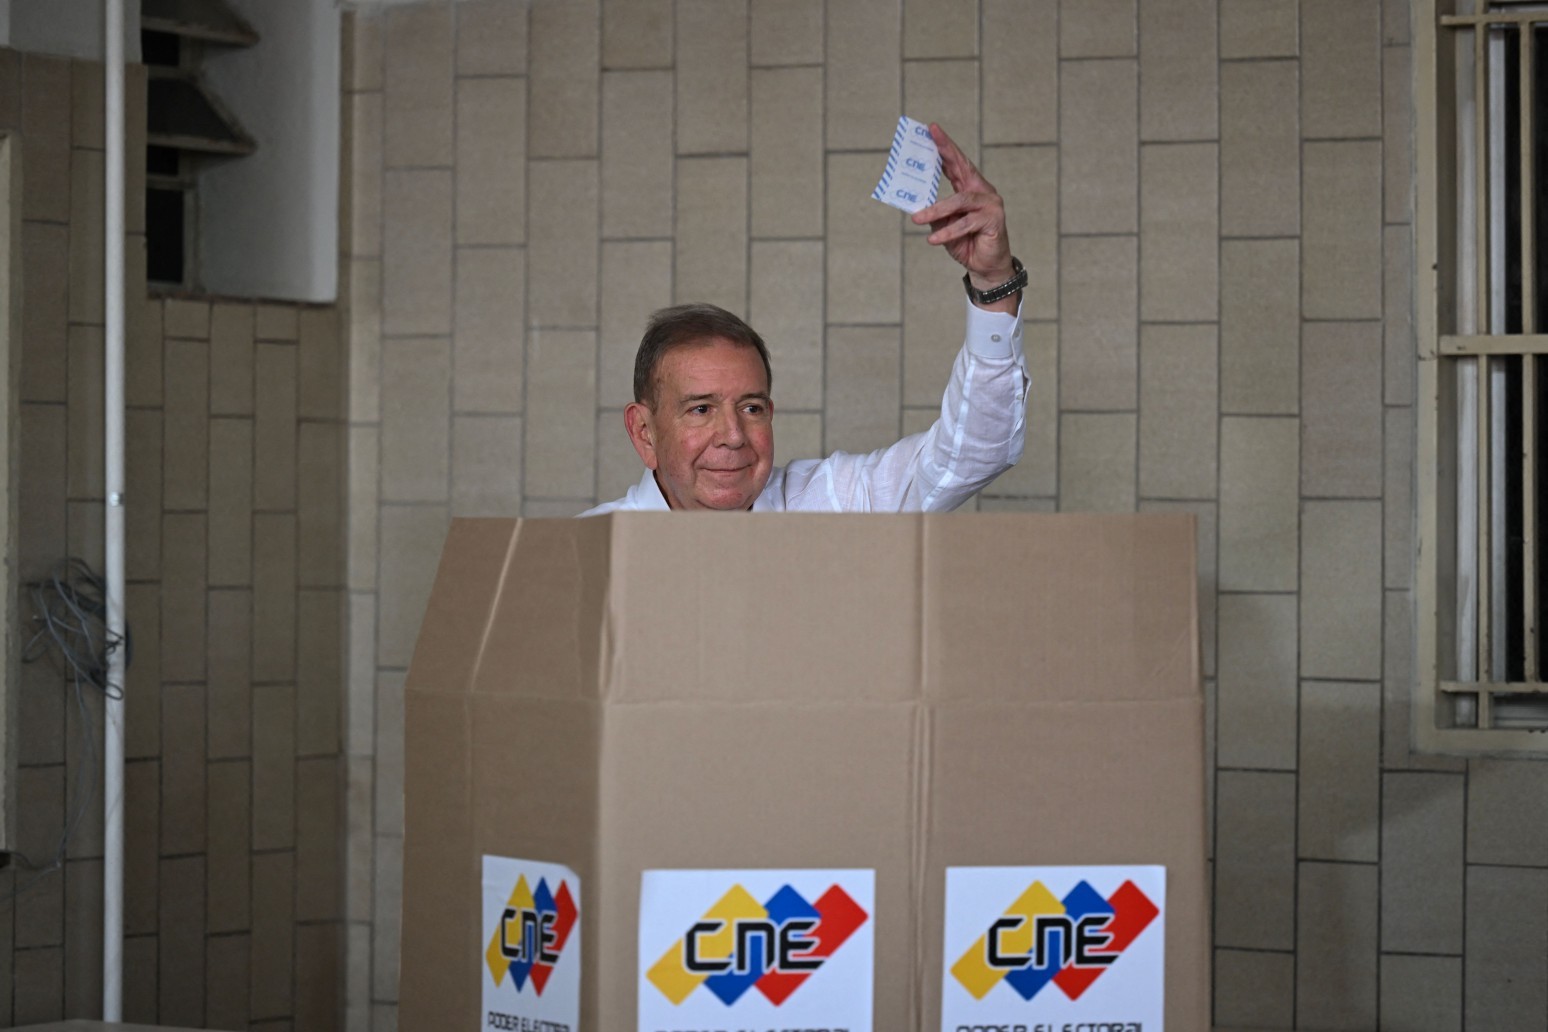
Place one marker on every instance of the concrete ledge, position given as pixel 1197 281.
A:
pixel 77 1025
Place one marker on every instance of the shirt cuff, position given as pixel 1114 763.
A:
pixel 992 334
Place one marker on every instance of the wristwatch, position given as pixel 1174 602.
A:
pixel 1000 293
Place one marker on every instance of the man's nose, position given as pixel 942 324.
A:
pixel 732 434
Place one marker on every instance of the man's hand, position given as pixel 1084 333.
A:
pixel 970 223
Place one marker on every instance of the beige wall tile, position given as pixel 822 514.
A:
pixel 1259 28
pixel 276 322
pixel 786 310
pixel 38 981
pixel 1341 56
pixel 417 86
pixel 46 127
pixel 40 509
pixel 40 708
pixel 1179 421
pixel 142 730
pixel 363 45
pixel 180 941
pixel 554 508
pixel 320 505
pixel 637 164
pixel 360 689
pixel 231 502
pixel 142 331
pixel 618 467
pixel 363 329
pixel 1336 945
pixel 318 785
pixel 1099 287
pixel 1257 686
pixel 1341 246
pixel 940 28
pixel 563 69
pixel 364 494
pixel 142 489
pixel 933 314
pixel 1259 489
pixel 274 427
pixel 863 74
pixel 491 157
pixel 1397 323
pixel 358 854
pixel 637 33
pixel 1206 516
pixel 1020 71
pixel 862 388
pixel 1507 812
pixel 39 917
pixel 486 465
pixel 1254 989
pixel 1179 65
pixel 274 597
pixel 1180 230
pixel 1028 181
pixel 84 532
pixel 182 596
pixel 711 76
pixel 1341 411
pixel 785 32
pixel 1097 28
pixel 1505 908
pixel 1260 148
pixel 186 319
pixel 227 961
pixel 229 729
pixel 320 973
pixel 864 249
pixel 1395 28
pixel 1397 492
pixel 83 936
pixel 562 243
pixel 389 756
pixel 185 426
pixel 1397 134
pixel 84 446
pixel 10 118
pixel 560 429
pixel 711 253
pixel 388 910
pixel 231 360
pixel 1255 860
pixel 45 311
pixel 228 899
pixel 412 536
pixel 1421 993
pixel 417 253
pixel 140 978
pixel 491 37
pixel 800 436
pixel 416 397
pixel 1260 327
pixel 87 90
pixel 787 156
pixel 274 879
pixel 1098 146
pixel 486 343
pixel 1037 474
pixel 1398 691
pixel 274 770
pixel 636 280
pixel 142 860
pixel 1340 764
pixel 948 90
pixel 1096 462
pixel 987 503
pixel 321 361
pixel 1341 590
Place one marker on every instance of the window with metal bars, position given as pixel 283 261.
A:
pixel 1481 317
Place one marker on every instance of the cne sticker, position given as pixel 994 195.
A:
pixel 531 946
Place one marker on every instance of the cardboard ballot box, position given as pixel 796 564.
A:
pixel 870 700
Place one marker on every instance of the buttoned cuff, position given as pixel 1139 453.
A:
pixel 993 334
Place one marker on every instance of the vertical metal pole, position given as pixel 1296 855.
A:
pixel 113 544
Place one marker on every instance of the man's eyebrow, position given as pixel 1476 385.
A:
pixel 751 396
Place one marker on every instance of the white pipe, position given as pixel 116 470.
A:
pixel 113 544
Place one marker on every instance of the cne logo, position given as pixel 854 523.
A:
pixel 1042 939
pixel 740 944
pixel 533 929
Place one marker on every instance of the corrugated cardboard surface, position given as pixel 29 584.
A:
pixel 900 693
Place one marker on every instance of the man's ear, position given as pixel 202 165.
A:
pixel 641 427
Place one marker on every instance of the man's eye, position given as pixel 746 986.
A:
pixel 755 409
pixel 699 410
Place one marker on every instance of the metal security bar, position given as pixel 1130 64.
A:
pixel 1482 135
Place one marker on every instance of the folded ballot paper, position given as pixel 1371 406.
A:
pixel 913 171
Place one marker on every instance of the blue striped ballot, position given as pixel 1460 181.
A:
pixel 913 168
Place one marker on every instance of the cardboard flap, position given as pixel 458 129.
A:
pixel 1056 607
pixel 457 617
pixel 764 608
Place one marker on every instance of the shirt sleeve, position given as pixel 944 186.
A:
pixel 979 434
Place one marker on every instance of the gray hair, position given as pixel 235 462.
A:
pixel 682 325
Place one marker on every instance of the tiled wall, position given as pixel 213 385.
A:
pixel 1213 198
pixel 235 606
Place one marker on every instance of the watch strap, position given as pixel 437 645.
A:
pixel 1017 282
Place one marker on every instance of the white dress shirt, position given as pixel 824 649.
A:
pixel 979 435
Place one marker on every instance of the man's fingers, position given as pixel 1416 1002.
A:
pixel 956 229
pixel 962 172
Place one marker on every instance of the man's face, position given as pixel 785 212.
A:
pixel 710 434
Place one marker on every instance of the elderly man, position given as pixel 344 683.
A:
pixel 702 419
